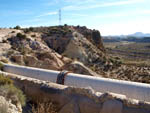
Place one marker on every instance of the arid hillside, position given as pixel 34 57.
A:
pixel 73 48
pixel 76 49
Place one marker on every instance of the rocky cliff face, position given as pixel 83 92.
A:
pixel 78 43
pixel 54 48
pixel 93 36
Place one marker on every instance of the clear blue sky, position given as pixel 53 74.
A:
pixel 111 17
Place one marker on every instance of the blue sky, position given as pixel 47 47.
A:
pixel 111 17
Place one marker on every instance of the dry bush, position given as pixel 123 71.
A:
pixel 4 60
pixel 5 80
pixel 8 90
pixel 44 108
pixel 1 66
pixel 21 36
pixel 9 53
pixel 13 93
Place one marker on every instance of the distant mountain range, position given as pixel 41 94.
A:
pixel 139 35
pixel 136 37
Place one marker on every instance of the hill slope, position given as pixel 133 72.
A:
pixel 76 49
pixel 54 48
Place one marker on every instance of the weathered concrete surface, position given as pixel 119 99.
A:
pixel 134 90
pixel 78 100
pixel 110 106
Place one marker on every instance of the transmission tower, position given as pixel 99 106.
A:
pixel 59 17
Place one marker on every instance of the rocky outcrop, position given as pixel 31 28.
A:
pixel 81 49
pixel 52 50
pixel 79 68
pixel 78 100
pixel 93 36
pixel 78 43
pixel 58 48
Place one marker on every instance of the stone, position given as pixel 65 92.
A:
pixel 89 106
pixel 17 58
pixel 71 107
pixel 112 106
pixel 30 60
pixel 49 64
pixel 79 68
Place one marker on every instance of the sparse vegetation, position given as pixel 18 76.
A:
pixel 137 63
pixel 44 108
pixel 1 66
pixel 31 29
pixel 4 60
pixel 5 80
pixel 130 53
pixel 17 27
pixel 9 91
pixel 4 41
pixel 21 36
pixel 10 52
pixel 13 32
pixel 22 50
pixel 13 93
pixel 33 35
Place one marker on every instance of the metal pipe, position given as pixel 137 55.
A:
pixel 139 91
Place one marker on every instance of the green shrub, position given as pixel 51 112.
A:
pixel 31 29
pixel 26 30
pixel 33 35
pixel 1 66
pixel 13 32
pixel 13 93
pixel 17 27
pixel 23 50
pixel 4 41
pixel 65 25
pixel 8 90
pixel 5 80
pixel 10 52
pixel 21 36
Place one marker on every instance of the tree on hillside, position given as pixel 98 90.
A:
pixel 17 27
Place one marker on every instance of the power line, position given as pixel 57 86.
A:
pixel 59 17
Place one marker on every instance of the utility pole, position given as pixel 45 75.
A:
pixel 59 17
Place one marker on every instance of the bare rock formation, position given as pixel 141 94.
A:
pixel 79 68
pixel 59 47
pixel 78 43
pixel 38 49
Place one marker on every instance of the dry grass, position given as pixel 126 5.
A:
pixel 5 80
pixel 145 63
pixel 4 60
pixel 9 91
pixel 44 108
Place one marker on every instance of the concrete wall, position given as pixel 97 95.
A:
pixel 78 100
pixel 134 90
